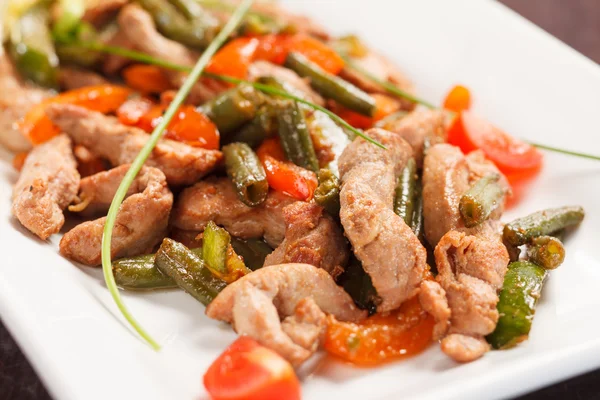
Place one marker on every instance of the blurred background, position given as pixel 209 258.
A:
pixel 575 22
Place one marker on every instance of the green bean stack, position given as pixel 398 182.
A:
pixel 247 173
pixel 295 137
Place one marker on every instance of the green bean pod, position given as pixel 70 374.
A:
pixel 478 203
pixel 327 194
pixel 417 223
pixel 246 172
pixel 188 271
pixel 31 46
pixel 358 284
pixel 75 54
pixel 331 86
pixel 520 293
pixel 404 200
pixel 263 125
pixel 215 241
pixel 253 251
pixel 542 223
pixel 295 137
pixel 546 251
pixel 140 273
pixel 231 110
pixel 191 9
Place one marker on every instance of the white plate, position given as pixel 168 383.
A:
pixel 522 79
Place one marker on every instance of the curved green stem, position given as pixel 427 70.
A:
pixel 139 161
pixel 563 151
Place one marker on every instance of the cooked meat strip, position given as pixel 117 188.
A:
pixel 311 237
pixel 383 69
pixel 75 78
pixel 99 12
pixel 119 144
pixel 388 249
pixel 16 98
pixel 141 222
pixel 297 294
pixel 47 184
pixel 419 126
pixel 216 200
pixel 260 69
pixel 139 27
pixel 471 262
pixel 111 63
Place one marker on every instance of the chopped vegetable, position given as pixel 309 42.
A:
pixel 405 192
pixel 248 371
pixel 381 337
pixel 140 273
pixel 351 45
pixel 546 251
pixel 70 51
pixel 263 125
pixel 478 203
pixel 219 256
pixel 253 251
pixel 284 176
pixel 146 78
pixel 316 51
pixel 234 58
pixel 417 224
pixel 188 271
pixel 458 100
pixel 295 138
pixel 247 173
pixel 515 158
pixel 541 223
pixel 133 110
pixel 71 12
pixel 358 284
pixel 384 107
pixel 331 86
pixel 19 160
pixel 103 98
pixel 327 194
pixel 520 293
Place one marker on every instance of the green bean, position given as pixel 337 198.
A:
pixel 331 86
pixel 69 19
pixel 263 125
pixel 295 138
pixel 546 251
pixel 541 223
pixel 188 271
pixel 478 203
pixel 358 284
pixel 31 46
pixel 520 293
pixel 417 224
pixel 283 86
pixel 140 273
pixel 191 9
pixel 246 172
pixel 219 255
pixel 75 54
pixel 514 252
pixel 197 32
pixel 253 251
pixel 327 194
pixel 231 110
pixel 404 200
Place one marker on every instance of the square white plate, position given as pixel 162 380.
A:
pixel 525 81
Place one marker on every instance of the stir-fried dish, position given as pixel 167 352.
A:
pixel 290 181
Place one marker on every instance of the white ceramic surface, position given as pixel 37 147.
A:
pixel 522 79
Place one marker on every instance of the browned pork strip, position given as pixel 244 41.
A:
pixel 75 78
pixel 311 237
pixel 106 137
pixel 471 262
pixel 111 63
pixel 141 222
pixel 419 126
pixel 100 11
pixel 216 200
pixel 388 249
pixel 139 27
pixel 16 98
pixel 283 307
pixel 47 184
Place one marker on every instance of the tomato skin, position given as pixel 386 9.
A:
pixel 516 159
pixel 248 371
pixel 234 58
pixel 146 78
pixel 459 99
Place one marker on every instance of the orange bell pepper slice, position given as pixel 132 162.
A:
pixel 234 58
pixel 385 105
pixel 146 78
pixel 459 99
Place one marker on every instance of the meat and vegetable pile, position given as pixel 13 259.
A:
pixel 302 193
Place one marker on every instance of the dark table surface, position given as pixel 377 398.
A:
pixel 576 22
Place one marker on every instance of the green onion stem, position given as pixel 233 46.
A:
pixel 137 164
pixel 567 152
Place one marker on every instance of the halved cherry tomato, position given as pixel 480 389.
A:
pixel 516 159
pixel 284 176
pixel 381 338
pixel 459 99
pixel 146 78
pixel 234 58
pixel 249 371
pixel 103 98
pixel 19 160
pixel 385 105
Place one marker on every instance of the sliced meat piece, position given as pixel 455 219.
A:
pixel 48 183
pixel 383 69
pixel 419 126
pixel 75 78
pixel 98 12
pixel 311 237
pixel 298 294
pixel 139 27
pixel 111 63
pixel 464 348
pixel 388 249
pixel 106 137
pixel 433 300
pixel 216 200
pixel 16 98
pixel 141 222
pixel 447 175
pixel 260 69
